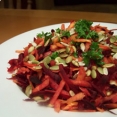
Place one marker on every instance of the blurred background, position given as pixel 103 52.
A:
pixel 107 6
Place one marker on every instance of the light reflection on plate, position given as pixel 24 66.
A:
pixel 12 102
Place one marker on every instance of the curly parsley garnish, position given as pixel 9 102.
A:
pixel 94 53
pixel 46 35
pixel 54 55
pixel 82 27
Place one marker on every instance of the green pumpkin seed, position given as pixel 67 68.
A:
pixel 75 63
pixel 64 44
pixel 113 39
pixel 63 55
pixel 60 61
pixel 47 59
pixel 28 90
pixel 31 57
pixel 31 49
pixel 82 47
pixel 94 67
pixel 88 73
pixel 37 98
pixel 93 74
pixel 37 67
pixel 114 50
pixel 47 42
pixel 68 59
pixel 75 75
pixel 61 50
pixel 71 93
pixel 55 67
pixel 74 48
pixel 100 70
pixel 34 44
pixel 108 65
pixel 113 82
pixel 113 46
pixel 115 56
pixel 67 49
pixel 105 71
pixel 35 62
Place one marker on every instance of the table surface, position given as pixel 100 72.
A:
pixel 14 22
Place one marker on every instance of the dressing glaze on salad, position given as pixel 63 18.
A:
pixel 71 68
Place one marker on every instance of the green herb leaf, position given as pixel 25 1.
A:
pixel 65 33
pixel 75 54
pixel 46 36
pixel 54 55
pixel 82 27
pixel 58 30
pixel 40 35
pixel 94 53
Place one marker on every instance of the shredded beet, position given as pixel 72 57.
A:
pixel 69 68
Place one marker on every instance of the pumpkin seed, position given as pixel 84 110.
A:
pixel 112 53
pixel 88 73
pixel 100 70
pixel 31 49
pixel 47 59
pixel 105 71
pixel 55 67
pixel 82 47
pixel 64 44
pixel 67 50
pixel 108 65
pixel 75 75
pixel 34 44
pixel 113 82
pixel 108 93
pixel 61 50
pixel 113 39
pixel 81 63
pixel 93 73
pixel 28 90
pixel 37 67
pixel 115 56
pixel 72 31
pixel 101 37
pixel 94 67
pixel 37 98
pixel 71 93
pixel 35 62
pixel 31 57
pixel 40 99
pixel 75 63
pixel 47 42
pixel 74 48
pixel 68 59
pixel 113 46
pixel 114 50
pixel 63 55
pixel 60 61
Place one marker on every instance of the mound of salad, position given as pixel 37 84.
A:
pixel 71 68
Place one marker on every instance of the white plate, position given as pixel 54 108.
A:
pixel 11 98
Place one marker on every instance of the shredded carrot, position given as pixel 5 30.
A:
pixel 78 96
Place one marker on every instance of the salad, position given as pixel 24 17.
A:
pixel 71 68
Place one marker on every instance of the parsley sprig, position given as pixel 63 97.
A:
pixel 82 27
pixel 94 53
pixel 46 35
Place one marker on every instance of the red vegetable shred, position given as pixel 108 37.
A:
pixel 71 68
